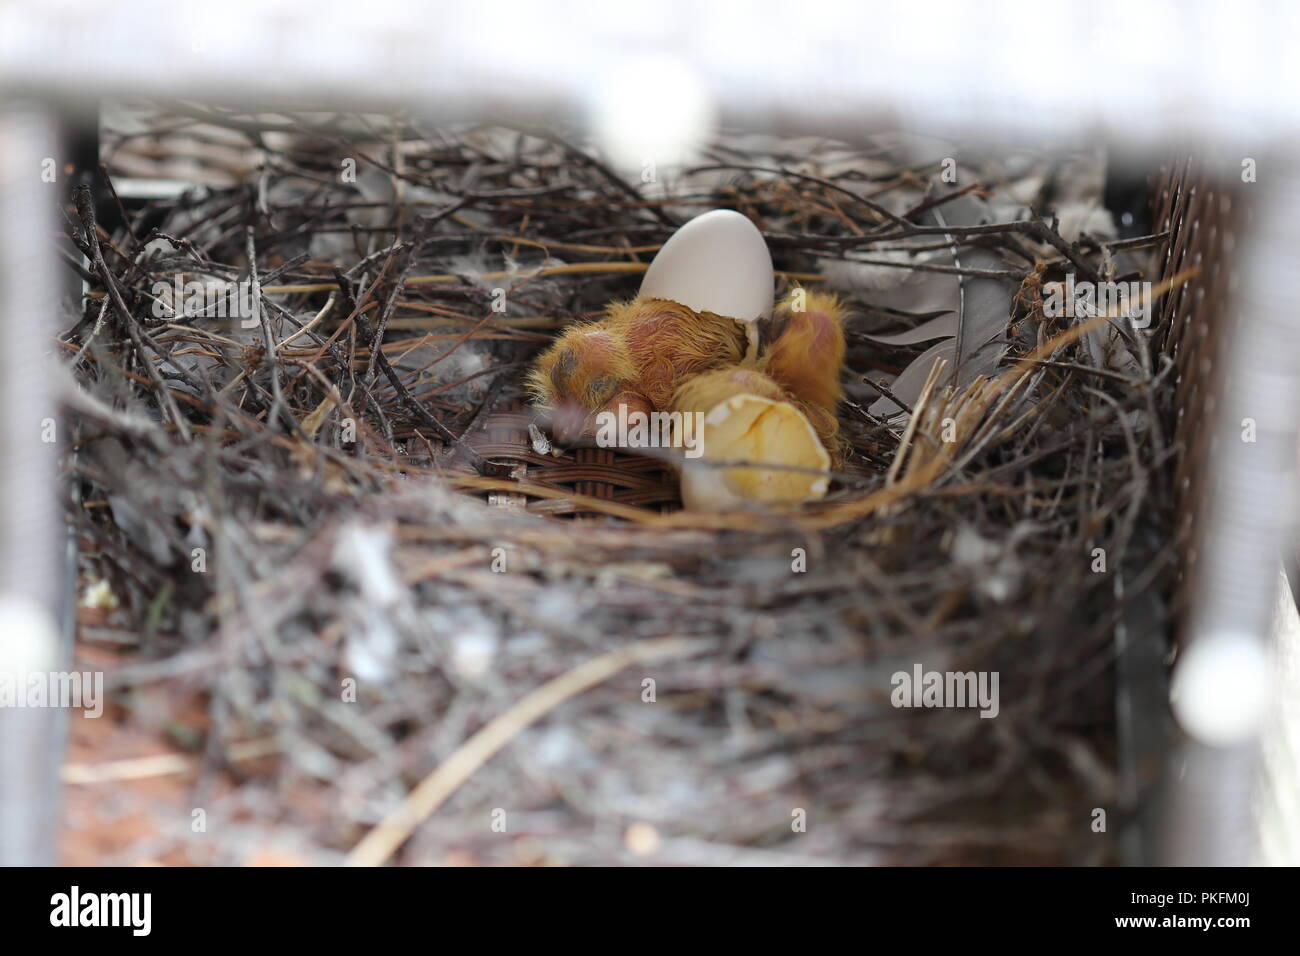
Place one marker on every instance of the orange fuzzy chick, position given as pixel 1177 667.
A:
pixel 636 356
pixel 778 412
pixel 807 356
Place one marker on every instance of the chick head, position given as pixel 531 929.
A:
pixel 807 355
pixel 586 369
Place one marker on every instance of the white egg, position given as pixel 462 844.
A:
pixel 717 262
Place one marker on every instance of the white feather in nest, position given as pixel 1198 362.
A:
pixel 858 278
pixel 372 186
pixel 997 572
pixel 423 366
pixel 1078 219
pixel 362 553
pixel 485 273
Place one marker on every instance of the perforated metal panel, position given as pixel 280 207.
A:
pixel 1203 217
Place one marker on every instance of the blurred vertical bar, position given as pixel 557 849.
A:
pixel 1279 796
pixel 31 525
pixel 1252 499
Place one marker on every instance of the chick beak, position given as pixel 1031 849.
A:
pixel 568 422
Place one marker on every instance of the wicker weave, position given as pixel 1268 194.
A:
pixel 504 443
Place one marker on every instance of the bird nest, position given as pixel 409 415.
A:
pixel 354 604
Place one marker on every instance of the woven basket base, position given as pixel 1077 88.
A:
pixel 608 474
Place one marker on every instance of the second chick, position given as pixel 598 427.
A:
pixel 778 413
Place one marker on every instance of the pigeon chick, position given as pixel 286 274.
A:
pixel 806 356
pixel 636 355
pixel 777 411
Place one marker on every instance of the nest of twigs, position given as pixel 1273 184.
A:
pixel 324 561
